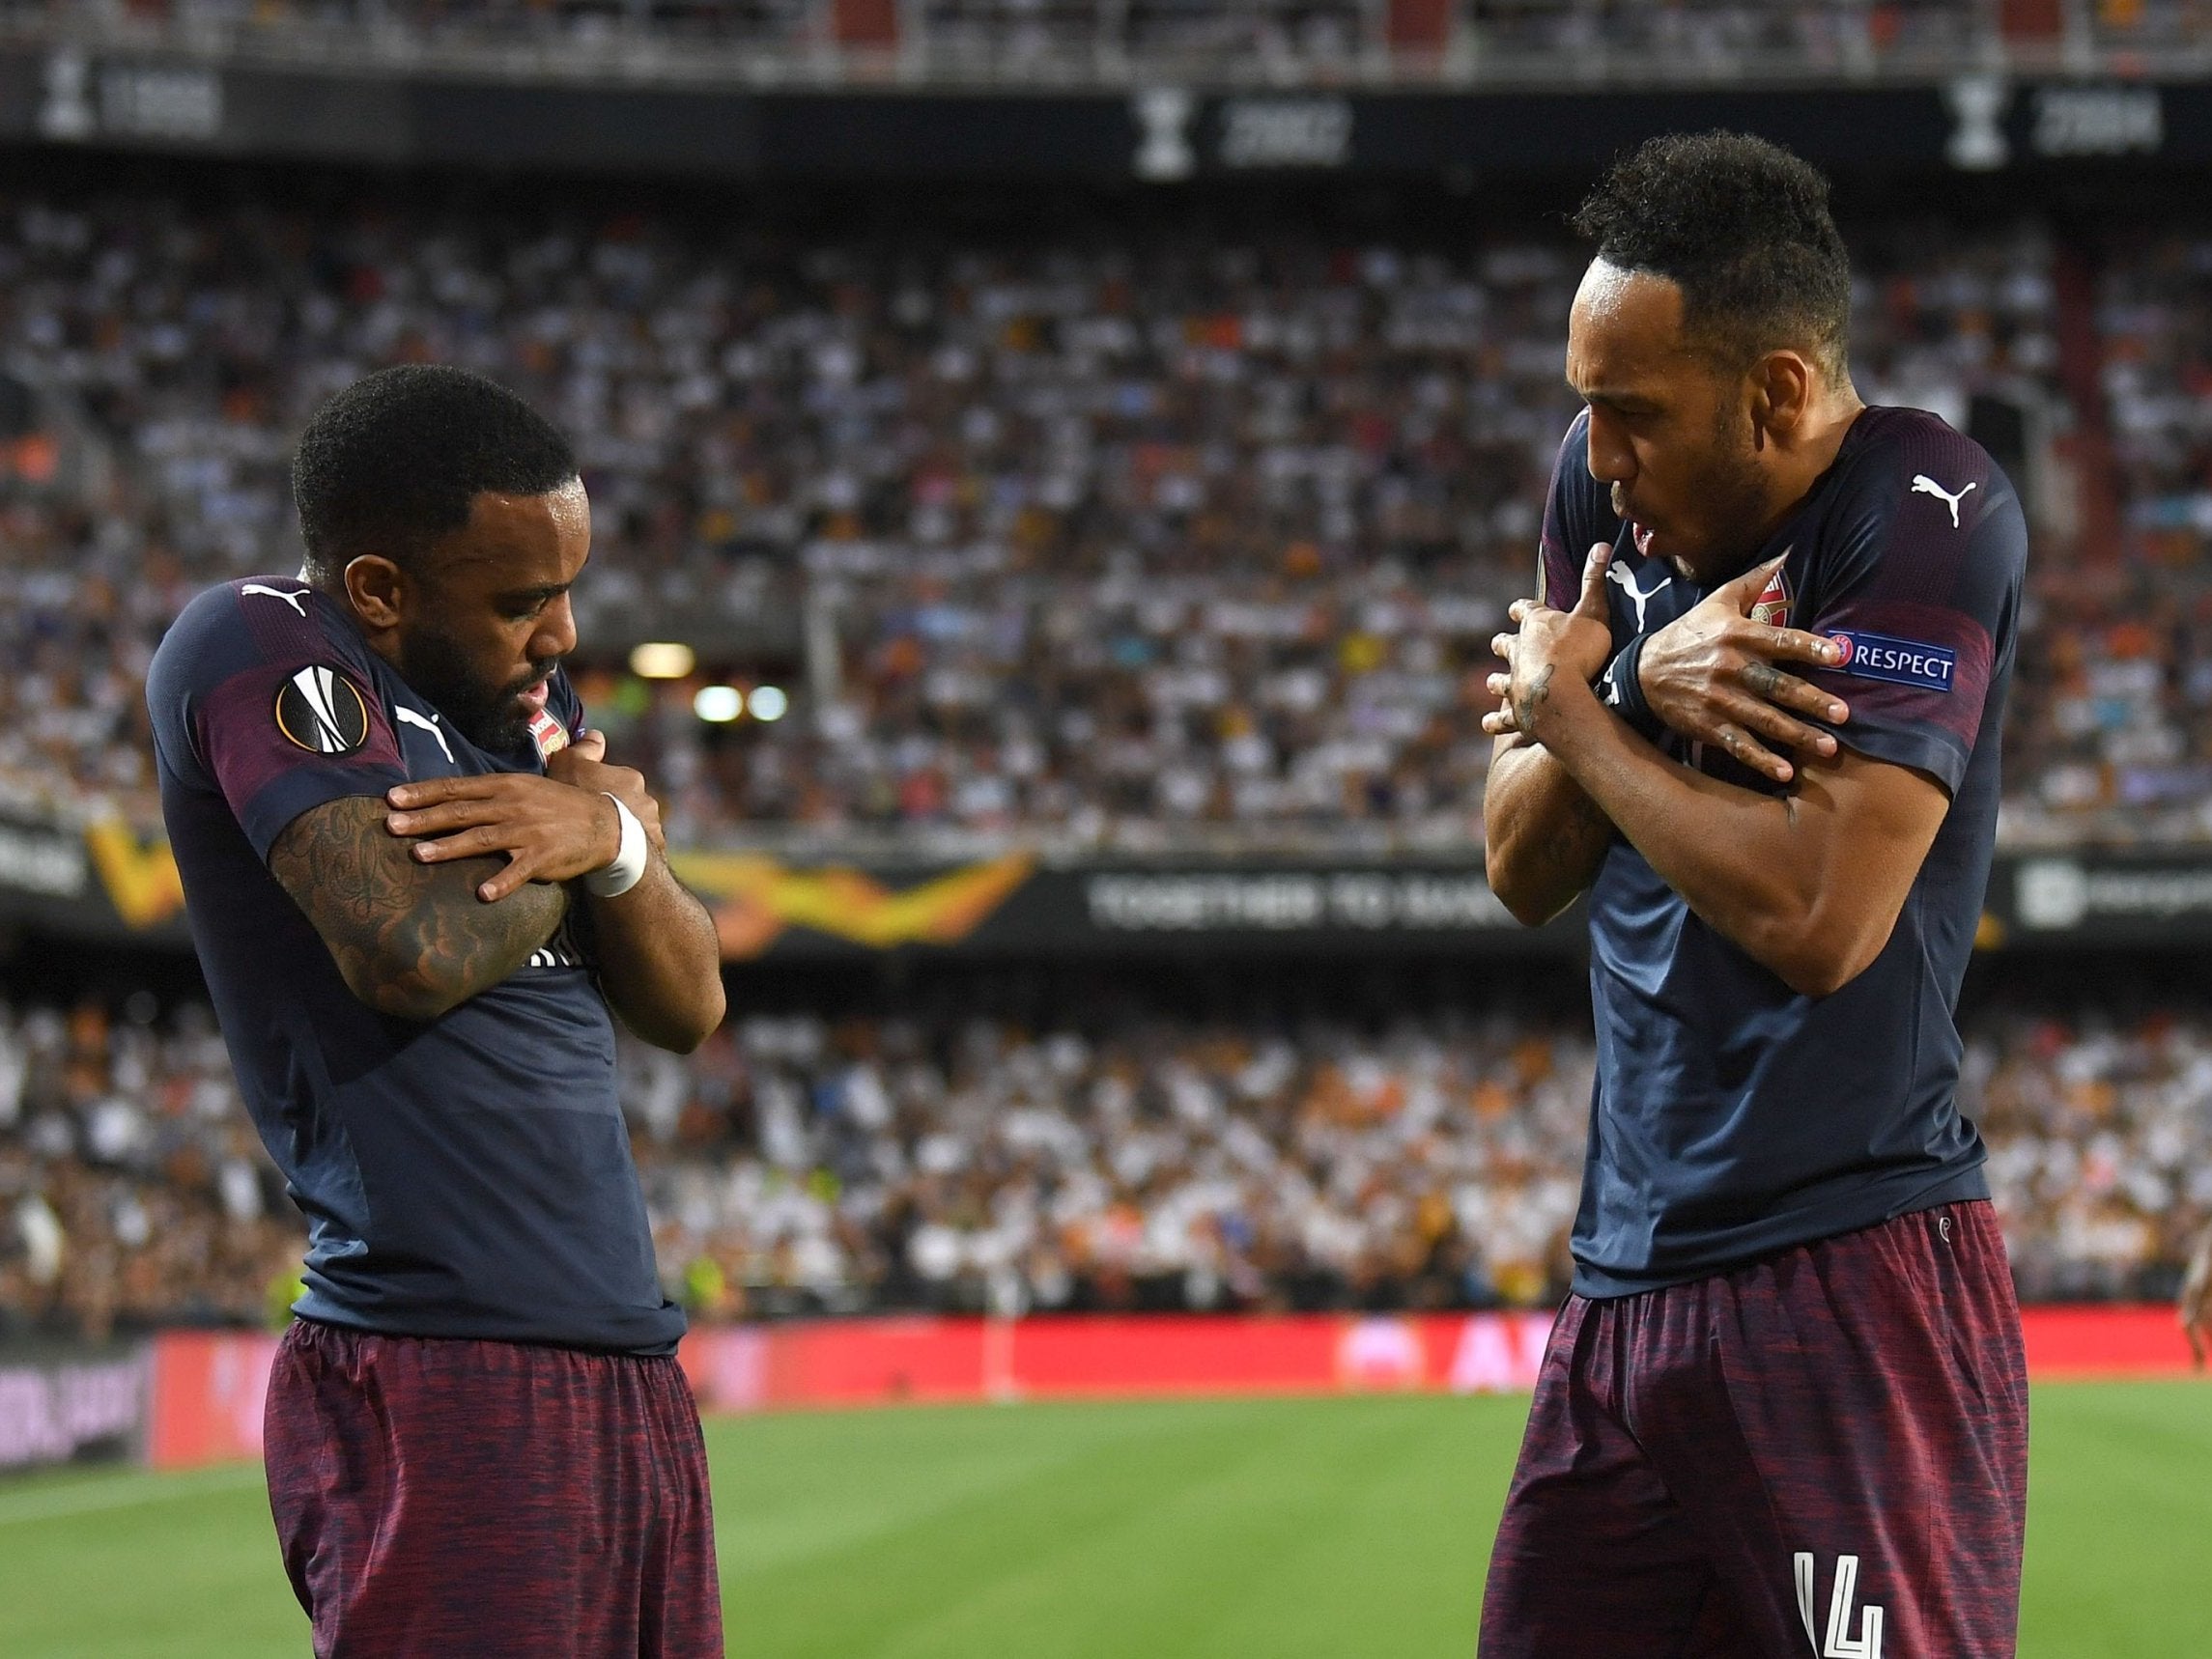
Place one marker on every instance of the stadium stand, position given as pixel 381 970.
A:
pixel 1179 539
pixel 2120 676
pixel 807 1164
pixel 1070 42
pixel 1074 43
pixel 1220 569
pixel 132 1185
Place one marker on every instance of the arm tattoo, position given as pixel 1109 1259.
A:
pixel 412 940
pixel 1538 692
pixel 1572 851
pixel 1763 678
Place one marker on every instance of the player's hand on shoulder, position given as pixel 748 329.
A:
pixel 549 828
pixel 1545 642
pixel 1709 676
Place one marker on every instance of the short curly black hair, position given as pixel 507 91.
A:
pixel 1742 227
pixel 396 461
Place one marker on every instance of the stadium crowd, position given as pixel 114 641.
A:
pixel 797 1163
pixel 1173 538
pixel 2115 684
pixel 133 1187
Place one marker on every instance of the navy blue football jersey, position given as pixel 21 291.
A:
pixel 1733 1117
pixel 464 1176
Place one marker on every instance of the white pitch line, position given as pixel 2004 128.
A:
pixel 121 1492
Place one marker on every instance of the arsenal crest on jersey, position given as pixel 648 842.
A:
pixel 548 733
pixel 1773 605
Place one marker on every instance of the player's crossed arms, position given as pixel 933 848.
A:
pixel 1709 676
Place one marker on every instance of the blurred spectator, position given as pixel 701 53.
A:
pixel 1723 35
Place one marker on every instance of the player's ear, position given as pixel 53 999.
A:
pixel 1781 395
pixel 378 589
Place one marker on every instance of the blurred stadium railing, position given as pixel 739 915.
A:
pixel 1068 44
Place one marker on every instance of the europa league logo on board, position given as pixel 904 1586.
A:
pixel 67 114
pixel 1977 102
pixel 1164 148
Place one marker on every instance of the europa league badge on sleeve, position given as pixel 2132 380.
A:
pixel 320 710
pixel 548 733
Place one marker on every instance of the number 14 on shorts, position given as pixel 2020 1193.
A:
pixel 1839 1645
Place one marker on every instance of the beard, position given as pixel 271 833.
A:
pixel 484 712
pixel 1731 489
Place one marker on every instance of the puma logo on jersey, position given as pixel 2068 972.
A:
pixel 559 951
pixel 1923 485
pixel 1840 1643
pixel 1637 597
pixel 409 717
pixel 297 599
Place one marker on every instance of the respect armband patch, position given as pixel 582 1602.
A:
pixel 1900 662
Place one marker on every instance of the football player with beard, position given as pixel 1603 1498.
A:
pixel 1786 1403
pixel 421 897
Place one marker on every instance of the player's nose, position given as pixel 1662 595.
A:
pixel 1610 461
pixel 556 635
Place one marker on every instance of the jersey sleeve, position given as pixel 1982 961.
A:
pixel 568 704
pixel 254 699
pixel 1925 610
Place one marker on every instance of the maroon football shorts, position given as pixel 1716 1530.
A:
pixel 1825 1452
pixel 435 1497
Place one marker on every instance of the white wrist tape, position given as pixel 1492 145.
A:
pixel 613 881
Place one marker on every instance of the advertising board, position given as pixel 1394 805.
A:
pixel 68 1405
pixel 208 103
pixel 193 1397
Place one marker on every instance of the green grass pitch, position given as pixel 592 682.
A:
pixel 1279 1529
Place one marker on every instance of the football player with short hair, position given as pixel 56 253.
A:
pixel 421 896
pixel 1754 710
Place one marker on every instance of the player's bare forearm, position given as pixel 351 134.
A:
pixel 1543 838
pixel 660 963
pixel 2196 1298
pixel 1809 884
pixel 410 939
